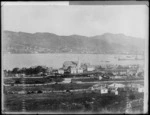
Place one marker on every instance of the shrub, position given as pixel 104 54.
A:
pixel 132 97
pixel 39 91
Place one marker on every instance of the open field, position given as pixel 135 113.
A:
pixel 43 80
pixel 80 101
pixel 27 80
pixel 70 86
pixel 96 79
pixel 65 102
pixel 49 87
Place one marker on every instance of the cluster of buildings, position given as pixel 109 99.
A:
pixel 74 67
pixel 115 88
pixel 113 71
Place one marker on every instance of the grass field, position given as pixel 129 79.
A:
pixel 27 80
pixel 97 79
pixel 70 86
pixel 48 80
pixel 67 102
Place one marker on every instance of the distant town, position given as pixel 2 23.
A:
pixel 77 69
pixel 78 79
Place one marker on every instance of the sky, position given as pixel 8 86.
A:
pixel 131 20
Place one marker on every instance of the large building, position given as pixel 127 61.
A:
pixel 60 71
pixel 90 68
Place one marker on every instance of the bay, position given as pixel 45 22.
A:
pixel 56 60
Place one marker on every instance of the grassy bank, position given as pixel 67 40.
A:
pixel 70 86
pixel 68 102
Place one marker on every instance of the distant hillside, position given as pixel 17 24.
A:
pixel 21 42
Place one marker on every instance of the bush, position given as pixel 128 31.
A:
pixel 132 97
pixel 17 82
pixel 39 91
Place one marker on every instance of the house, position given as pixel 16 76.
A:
pixel 90 68
pixel 55 71
pixel 22 92
pixel 23 75
pixel 117 71
pixel 116 86
pixel 67 80
pixel 80 70
pixel 40 73
pixel 114 91
pixel 60 71
pixel 103 90
pixel 73 70
pixel 99 87
pixel 136 87
pixel 91 88
pixel 117 77
pixel 131 72
pixel 16 75
pixel 133 66
pixel 100 77
pixel 120 77
pixel 123 72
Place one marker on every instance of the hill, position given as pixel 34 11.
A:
pixel 21 42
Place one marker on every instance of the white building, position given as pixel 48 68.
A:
pixel 100 77
pixel 114 92
pixel 141 89
pixel 80 70
pixel 103 90
pixel 116 85
pixel 136 87
pixel 90 68
pixel 22 92
pixel 73 70
pixel 61 71
pixel 67 80
pixel 123 73
pixel 98 87
pixel 117 77
pixel 16 75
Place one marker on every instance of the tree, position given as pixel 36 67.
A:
pixel 140 74
pixel 132 97
pixel 17 82
pixel 15 70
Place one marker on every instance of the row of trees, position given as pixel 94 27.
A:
pixel 28 71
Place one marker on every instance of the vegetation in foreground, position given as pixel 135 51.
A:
pixel 70 102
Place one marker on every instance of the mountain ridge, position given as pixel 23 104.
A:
pixel 45 42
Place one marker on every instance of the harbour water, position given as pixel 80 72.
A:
pixel 56 60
